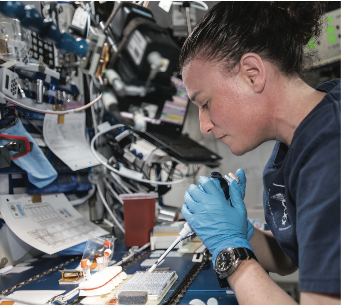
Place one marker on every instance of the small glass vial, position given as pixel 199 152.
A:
pixel 85 264
pixel 106 254
pixel 100 263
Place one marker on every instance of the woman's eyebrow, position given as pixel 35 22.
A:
pixel 194 95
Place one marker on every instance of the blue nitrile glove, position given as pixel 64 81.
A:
pixel 240 174
pixel 39 170
pixel 216 222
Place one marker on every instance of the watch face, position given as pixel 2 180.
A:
pixel 223 261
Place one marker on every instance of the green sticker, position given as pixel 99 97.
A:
pixel 311 45
pixel 332 39
pixel 330 29
pixel 330 19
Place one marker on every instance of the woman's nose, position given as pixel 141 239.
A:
pixel 206 125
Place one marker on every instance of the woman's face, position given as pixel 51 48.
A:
pixel 228 106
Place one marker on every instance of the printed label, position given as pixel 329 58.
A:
pixel 136 47
pixel 80 18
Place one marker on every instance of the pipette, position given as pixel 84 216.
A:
pixel 187 229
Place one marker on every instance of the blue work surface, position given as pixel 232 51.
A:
pixel 50 281
pixel 120 247
pixel 204 287
pixel 221 296
pixel 41 265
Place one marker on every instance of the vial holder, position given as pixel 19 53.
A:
pixel 155 283
pixel 98 247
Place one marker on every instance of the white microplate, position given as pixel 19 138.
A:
pixel 154 283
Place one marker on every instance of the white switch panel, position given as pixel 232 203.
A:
pixel 9 83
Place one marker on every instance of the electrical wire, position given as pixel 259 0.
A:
pixel 93 116
pixel 129 185
pixel 75 110
pixel 104 161
pixel 81 201
pixel 195 171
pixel 132 255
pixel 120 182
pixel 115 9
pixel 112 191
pixel 89 18
pixel 110 201
pixel 97 83
pixel 118 188
pixel 108 208
pixel 167 170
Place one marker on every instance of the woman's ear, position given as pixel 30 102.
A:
pixel 253 71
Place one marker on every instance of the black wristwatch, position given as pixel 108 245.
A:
pixel 228 260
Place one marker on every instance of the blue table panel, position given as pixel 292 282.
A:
pixel 204 287
pixel 120 246
pixel 207 280
pixel 42 264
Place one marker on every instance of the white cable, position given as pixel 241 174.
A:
pixel 131 255
pixel 128 187
pixel 53 112
pixel 81 201
pixel 203 6
pixel 101 160
pixel 89 19
pixel 70 294
pixel 108 209
pixel 120 182
pixel 113 191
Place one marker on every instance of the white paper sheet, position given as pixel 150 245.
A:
pixel 35 297
pixel 50 226
pixel 19 269
pixel 68 142
pixel 23 264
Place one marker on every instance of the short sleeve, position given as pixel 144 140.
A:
pixel 318 200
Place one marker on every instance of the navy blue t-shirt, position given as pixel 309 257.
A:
pixel 302 195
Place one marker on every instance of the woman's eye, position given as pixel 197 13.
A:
pixel 205 105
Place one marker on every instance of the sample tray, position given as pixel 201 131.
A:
pixel 155 283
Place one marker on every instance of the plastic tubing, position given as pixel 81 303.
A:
pixel 108 209
pixel 53 112
pixel 98 157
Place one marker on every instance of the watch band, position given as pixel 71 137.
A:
pixel 244 253
pixel 223 282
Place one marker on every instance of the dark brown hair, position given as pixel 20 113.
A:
pixel 277 31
